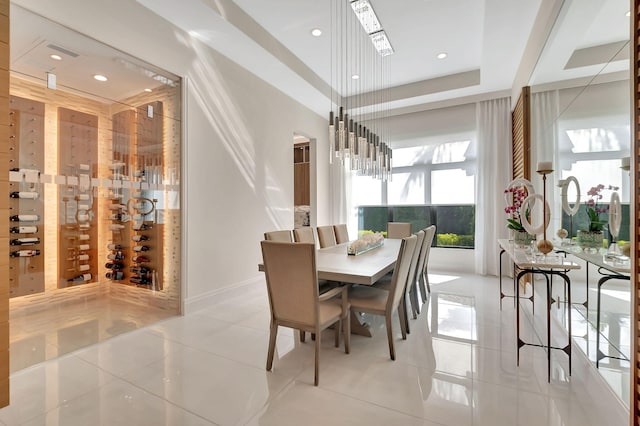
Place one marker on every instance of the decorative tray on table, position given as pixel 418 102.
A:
pixel 365 243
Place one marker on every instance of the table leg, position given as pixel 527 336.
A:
pixel 546 277
pixel 358 327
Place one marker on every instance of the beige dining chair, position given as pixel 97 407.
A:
pixel 376 301
pixel 423 263
pixel 326 236
pixel 282 236
pixel 342 234
pixel 290 270
pixel 398 229
pixel 304 235
pixel 410 289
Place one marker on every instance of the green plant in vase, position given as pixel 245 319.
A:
pixel 514 221
pixel 591 239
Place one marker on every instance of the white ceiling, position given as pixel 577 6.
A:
pixel 484 39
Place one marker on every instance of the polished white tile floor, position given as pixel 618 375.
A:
pixel 458 367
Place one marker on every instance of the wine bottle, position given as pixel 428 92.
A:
pixel 140 280
pixel 23 229
pixel 140 259
pixel 81 278
pixel 141 227
pixel 84 167
pixel 115 196
pixel 117 206
pixel 137 217
pixel 24 218
pixel 83 268
pixel 139 173
pixel 115 166
pixel 116 227
pixel 116 216
pixel 21 170
pixel 115 256
pixel 114 247
pixel 30 195
pixel 114 266
pixel 84 237
pixel 83 207
pixel 84 247
pixel 83 257
pixel 24 241
pixel 138 238
pixel 83 218
pixel 141 248
pixel 115 275
pixel 25 253
pixel 140 270
pixel 83 197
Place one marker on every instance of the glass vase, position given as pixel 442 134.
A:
pixel 590 241
pixel 522 238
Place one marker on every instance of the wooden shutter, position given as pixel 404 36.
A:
pixel 521 136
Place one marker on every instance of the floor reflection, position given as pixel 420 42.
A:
pixel 40 335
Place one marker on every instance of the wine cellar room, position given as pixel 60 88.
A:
pixel 94 191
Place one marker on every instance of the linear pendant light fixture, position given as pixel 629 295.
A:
pixel 361 146
pixel 371 24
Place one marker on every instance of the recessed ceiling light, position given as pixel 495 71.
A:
pixel 355 77
pixel 628 13
pixel 100 77
pixel 442 55
pixel 316 32
pixel 56 57
pixel 148 90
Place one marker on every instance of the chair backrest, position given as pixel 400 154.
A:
pixel 304 235
pixel 398 229
pixel 430 233
pixel 342 235
pixel 326 236
pixel 400 272
pixel 292 281
pixel 282 236
pixel 413 268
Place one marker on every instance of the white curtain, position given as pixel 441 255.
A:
pixel 493 124
pixel 544 147
pixel 340 181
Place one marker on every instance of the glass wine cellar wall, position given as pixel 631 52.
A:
pixel 95 171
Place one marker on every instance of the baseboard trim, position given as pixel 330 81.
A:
pixel 218 295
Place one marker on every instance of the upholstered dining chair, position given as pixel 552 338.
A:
pixel 291 274
pixel 342 234
pixel 304 235
pixel 423 262
pixel 326 236
pixel 376 301
pixel 282 236
pixel 398 229
pixel 410 285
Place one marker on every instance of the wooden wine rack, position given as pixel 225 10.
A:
pixel 26 151
pixel 137 144
pixel 4 211
pixel 77 160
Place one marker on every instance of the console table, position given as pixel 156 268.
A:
pixel 547 266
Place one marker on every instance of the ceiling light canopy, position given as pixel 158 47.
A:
pixel 316 32
pixel 100 77
pixel 442 55
pixel 371 24
pixel 56 57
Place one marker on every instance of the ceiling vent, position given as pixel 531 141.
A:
pixel 63 50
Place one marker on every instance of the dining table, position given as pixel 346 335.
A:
pixel 335 264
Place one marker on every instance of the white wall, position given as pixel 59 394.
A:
pixel 238 175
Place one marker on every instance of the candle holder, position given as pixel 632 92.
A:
pixel 544 246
